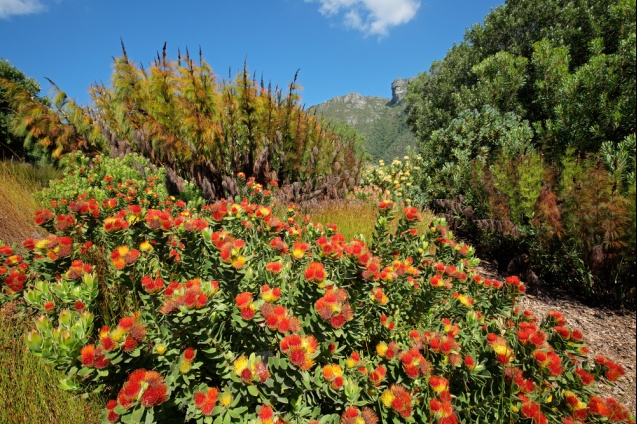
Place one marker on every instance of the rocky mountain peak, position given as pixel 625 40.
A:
pixel 399 90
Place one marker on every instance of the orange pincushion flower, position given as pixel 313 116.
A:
pixel 532 410
pixel 153 392
pixel 299 249
pixel 274 267
pixel 352 415
pixel 557 317
pixel 385 205
pixel 334 374
pixel 438 384
pixel 300 349
pixel 586 377
pixel 315 272
pixel 377 295
pixel 412 214
pixel 265 415
pixel 206 400
pixel 270 295
pixel 279 318
pixel 243 300
pixel 377 375
pixel 333 307
pixel 399 399
pixel 88 355
pixel 613 371
pixel 469 362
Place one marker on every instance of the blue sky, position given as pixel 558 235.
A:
pixel 340 46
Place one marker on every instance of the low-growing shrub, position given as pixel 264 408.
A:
pixel 225 313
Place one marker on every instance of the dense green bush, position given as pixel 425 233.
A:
pixel 227 313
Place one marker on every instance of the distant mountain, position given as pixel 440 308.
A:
pixel 383 122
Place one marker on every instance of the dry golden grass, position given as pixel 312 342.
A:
pixel 18 183
pixel 29 391
pixel 353 217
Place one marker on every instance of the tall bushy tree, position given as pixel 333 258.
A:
pixel 51 129
pixel 11 145
pixel 181 116
pixel 566 66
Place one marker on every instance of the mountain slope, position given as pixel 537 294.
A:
pixel 382 121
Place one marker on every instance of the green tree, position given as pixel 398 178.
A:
pixel 566 66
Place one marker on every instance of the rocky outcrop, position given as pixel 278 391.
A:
pixel 399 90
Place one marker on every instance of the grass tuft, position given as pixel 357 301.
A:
pixel 354 217
pixel 29 391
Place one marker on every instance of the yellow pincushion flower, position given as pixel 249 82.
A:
pixel 185 367
pixel 381 349
pixel 145 246
pixel 117 334
pixel 41 244
pixel 387 398
pixel 225 399
pixel 240 364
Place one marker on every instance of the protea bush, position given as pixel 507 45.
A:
pixel 226 312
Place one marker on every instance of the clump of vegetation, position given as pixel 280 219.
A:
pixel 200 129
pixel 226 313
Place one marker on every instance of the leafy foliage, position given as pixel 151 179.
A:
pixel 577 87
pixel 513 121
pixel 10 144
pixel 49 132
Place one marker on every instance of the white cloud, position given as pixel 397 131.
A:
pixel 372 17
pixel 19 7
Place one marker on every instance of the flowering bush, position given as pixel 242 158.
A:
pixel 225 313
pixel 400 181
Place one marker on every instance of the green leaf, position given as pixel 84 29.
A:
pixel 150 417
pixel 253 390
pixel 237 412
pixel 137 414
pixel 84 372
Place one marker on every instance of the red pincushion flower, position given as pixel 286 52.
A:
pixel 266 413
pixel 200 399
pixel 412 214
pixel 247 313
pixel 189 354
pixel 88 355
pixel 243 299
pixel 586 377
pixel 297 356
pixel 438 384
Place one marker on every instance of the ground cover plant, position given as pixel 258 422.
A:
pixel 225 312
